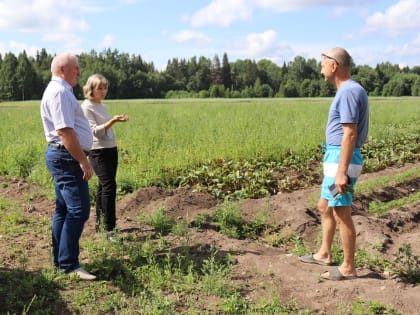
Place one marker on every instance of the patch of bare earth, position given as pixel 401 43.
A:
pixel 262 270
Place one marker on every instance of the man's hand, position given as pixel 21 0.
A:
pixel 348 143
pixel 87 170
pixel 341 182
pixel 71 143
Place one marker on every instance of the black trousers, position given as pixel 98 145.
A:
pixel 105 164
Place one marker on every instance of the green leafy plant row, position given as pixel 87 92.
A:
pixel 259 177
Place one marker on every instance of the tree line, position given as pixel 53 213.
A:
pixel 24 77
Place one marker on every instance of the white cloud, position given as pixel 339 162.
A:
pixel 42 15
pixel 130 1
pixel 190 36
pixel 411 49
pixel 262 46
pixel 402 17
pixel 259 44
pixel 284 5
pixel 67 24
pixel 107 41
pixel 222 13
pixel 16 48
pixel 407 54
pixel 295 5
pixel 56 21
pixel 69 42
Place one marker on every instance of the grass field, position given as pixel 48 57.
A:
pixel 171 135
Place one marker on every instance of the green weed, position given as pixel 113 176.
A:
pixel 214 275
pixel 161 221
pixel 25 292
pixel 283 237
pixel 181 228
pixel 368 259
pixel 13 221
pixel 234 304
pixel 229 219
pixel 379 208
pixel 300 247
pixel 406 264
pixel 362 307
pixel 372 185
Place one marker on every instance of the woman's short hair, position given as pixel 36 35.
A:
pixel 93 82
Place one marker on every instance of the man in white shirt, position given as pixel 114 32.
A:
pixel 69 140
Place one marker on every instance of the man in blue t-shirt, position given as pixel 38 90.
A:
pixel 347 129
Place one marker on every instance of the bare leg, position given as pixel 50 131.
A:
pixel 348 239
pixel 328 230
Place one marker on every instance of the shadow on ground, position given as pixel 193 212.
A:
pixel 22 290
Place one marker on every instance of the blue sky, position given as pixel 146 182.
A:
pixel 373 31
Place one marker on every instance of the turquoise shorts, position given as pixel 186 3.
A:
pixel 330 166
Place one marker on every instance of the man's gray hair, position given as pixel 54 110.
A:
pixel 61 60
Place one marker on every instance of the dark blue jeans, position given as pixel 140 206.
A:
pixel 105 163
pixel 72 207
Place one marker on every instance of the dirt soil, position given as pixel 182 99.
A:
pixel 262 270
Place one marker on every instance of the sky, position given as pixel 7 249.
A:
pixel 373 31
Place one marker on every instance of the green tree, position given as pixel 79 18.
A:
pixel 386 71
pixel 289 89
pixel 245 73
pixel 300 69
pixel 309 88
pixel 42 67
pixel 203 75
pixel 368 78
pixel 178 70
pixel 226 73
pixel 217 90
pixel 9 89
pixel 131 77
pixel 415 88
pixel 266 90
pixel 400 85
pixel 216 71
pixel 326 89
pixel 269 73
pixel 415 70
pixel 394 88
pixel 192 69
pixel 258 92
pixel 25 76
pixel 199 74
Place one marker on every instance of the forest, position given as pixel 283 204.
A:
pixel 25 77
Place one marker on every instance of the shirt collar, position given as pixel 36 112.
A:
pixel 63 82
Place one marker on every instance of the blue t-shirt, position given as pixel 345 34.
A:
pixel 349 106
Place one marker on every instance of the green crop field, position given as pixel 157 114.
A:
pixel 167 136
pixel 164 263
